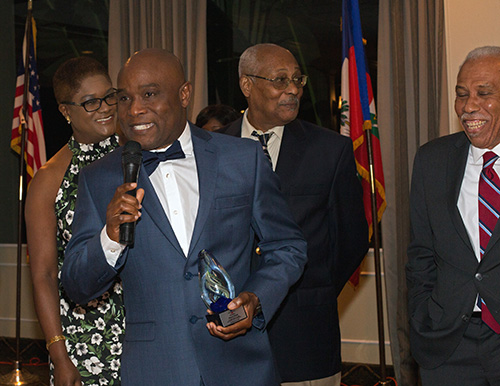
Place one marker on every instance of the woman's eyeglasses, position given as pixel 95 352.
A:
pixel 94 104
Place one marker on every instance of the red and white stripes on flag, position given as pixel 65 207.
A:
pixel 35 142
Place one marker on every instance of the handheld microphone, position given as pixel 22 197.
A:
pixel 131 164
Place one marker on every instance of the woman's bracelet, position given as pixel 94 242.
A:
pixel 54 339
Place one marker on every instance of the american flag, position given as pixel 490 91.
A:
pixel 35 142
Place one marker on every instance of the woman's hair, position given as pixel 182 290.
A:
pixel 223 113
pixel 70 75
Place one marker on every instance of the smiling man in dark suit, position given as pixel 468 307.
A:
pixel 453 269
pixel 318 178
pixel 207 197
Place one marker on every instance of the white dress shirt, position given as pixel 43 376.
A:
pixel 468 197
pixel 274 143
pixel 176 184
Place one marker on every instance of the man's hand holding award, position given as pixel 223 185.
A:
pixel 217 291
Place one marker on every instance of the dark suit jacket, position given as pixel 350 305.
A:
pixel 443 273
pixel 318 178
pixel 166 341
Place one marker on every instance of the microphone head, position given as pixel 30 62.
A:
pixel 132 153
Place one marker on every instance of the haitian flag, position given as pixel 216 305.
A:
pixel 358 113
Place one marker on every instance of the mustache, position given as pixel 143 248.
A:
pixel 465 116
pixel 292 99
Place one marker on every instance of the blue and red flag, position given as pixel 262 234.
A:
pixel 34 154
pixel 358 112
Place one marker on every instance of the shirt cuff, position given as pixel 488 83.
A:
pixel 259 322
pixel 112 250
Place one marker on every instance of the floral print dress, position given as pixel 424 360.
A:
pixel 94 331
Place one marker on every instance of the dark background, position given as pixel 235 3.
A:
pixel 309 29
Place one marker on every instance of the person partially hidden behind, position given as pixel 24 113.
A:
pixel 206 198
pixel 317 172
pixel 453 269
pixel 93 330
pixel 214 117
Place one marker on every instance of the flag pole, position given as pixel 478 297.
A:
pixel 367 127
pixel 19 376
pixel 350 9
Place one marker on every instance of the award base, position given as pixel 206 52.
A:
pixel 228 317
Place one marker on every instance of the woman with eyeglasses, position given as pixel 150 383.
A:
pixel 84 340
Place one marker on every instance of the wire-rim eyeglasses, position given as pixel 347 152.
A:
pixel 281 83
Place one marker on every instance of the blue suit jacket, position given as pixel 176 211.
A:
pixel 318 179
pixel 166 341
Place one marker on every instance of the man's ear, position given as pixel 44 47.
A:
pixel 185 94
pixel 246 85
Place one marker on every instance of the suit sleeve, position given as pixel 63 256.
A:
pixel 421 270
pixel 347 221
pixel 86 274
pixel 283 248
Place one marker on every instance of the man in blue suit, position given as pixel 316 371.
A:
pixel 209 198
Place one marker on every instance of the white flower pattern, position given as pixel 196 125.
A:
pixel 94 331
pixel 116 349
pixel 96 339
pixel 104 307
pixel 115 365
pixel 81 349
pixel 69 217
pixel 93 365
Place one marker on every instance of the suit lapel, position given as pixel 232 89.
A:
pixel 152 205
pixel 293 145
pixel 493 240
pixel 456 163
pixel 206 163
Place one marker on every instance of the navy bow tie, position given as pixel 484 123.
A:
pixel 151 159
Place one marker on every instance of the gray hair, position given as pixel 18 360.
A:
pixel 482 52
pixel 248 59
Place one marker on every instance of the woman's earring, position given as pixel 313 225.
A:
pixel 68 119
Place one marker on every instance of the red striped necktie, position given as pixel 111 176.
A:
pixel 489 211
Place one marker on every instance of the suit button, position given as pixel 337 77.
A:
pixel 479 277
pixel 188 276
pixel 193 319
pixel 465 318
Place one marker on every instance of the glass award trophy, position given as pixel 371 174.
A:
pixel 217 291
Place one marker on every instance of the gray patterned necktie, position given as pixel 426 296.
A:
pixel 264 140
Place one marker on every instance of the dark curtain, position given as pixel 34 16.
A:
pixel 413 109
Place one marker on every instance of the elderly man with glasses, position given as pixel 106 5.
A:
pixel 318 178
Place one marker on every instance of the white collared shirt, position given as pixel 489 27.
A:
pixel 176 185
pixel 274 143
pixel 468 197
